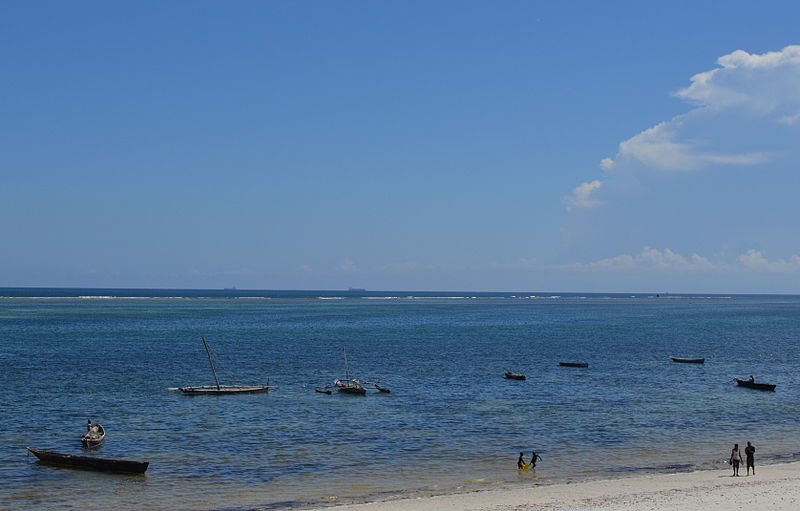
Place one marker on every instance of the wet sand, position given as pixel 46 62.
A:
pixel 775 487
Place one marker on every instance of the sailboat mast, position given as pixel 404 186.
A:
pixel 210 362
pixel 346 366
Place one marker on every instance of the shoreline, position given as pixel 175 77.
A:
pixel 776 487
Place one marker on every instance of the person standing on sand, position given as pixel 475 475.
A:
pixel 520 463
pixel 735 459
pixel 749 453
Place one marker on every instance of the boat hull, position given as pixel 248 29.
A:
pixel 682 360
pixel 514 376
pixel 94 438
pixel 353 391
pixel 573 364
pixel 91 463
pixel 757 386
pixel 224 389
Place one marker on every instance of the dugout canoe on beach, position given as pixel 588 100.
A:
pixel 90 462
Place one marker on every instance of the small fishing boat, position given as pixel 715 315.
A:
pixel 95 436
pixel 751 384
pixel 349 385
pixel 220 389
pixel 684 360
pixel 514 376
pixel 90 462
pixel 573 364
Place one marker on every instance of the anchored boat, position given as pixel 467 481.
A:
pixel 751 384
pixel 90 462
pixel 350 385
pixel 683 360
pixel 221 389
pixel 95 436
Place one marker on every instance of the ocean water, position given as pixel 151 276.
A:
pixel 451 423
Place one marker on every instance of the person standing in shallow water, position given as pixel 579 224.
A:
pixel 749 453
pixel 534 457
pixel 520 463
pixel 735 459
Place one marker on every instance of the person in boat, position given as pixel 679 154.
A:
pixel 520 463
pixel 534 457
pixel 751 379
pixel 750 459
pixel 735 459
pixel 89 426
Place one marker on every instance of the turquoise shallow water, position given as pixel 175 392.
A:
pixel 452 422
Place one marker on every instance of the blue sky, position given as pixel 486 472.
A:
pixel 531 146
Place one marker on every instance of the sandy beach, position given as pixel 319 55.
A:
pixel 775 487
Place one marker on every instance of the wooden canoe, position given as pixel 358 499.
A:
pixel 573 364
pixel 220 389
pixel 753 385
pixel 224 389
pixel 94 437
pixel 350 386
pixel 514 376
pixel 90 462
pixel 683 360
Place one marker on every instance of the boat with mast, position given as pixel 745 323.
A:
pixel 350 385
pixel 221 389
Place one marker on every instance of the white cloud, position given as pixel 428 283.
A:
pixel 648 259
pixel 766 82
pixel 607 163
pixel 660 147
pixel 756 261
pixel 582 195
pixel 789 119
pixel 348 266
pixel 653 259
pixel 733 104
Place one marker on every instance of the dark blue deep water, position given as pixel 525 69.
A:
pixel 452 422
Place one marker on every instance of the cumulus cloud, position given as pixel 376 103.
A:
pixel 648 259
pixel 748 91
pixel 667 260
pixel 766 82
pixel 755 260
pixel 582 195
pixel 661 147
